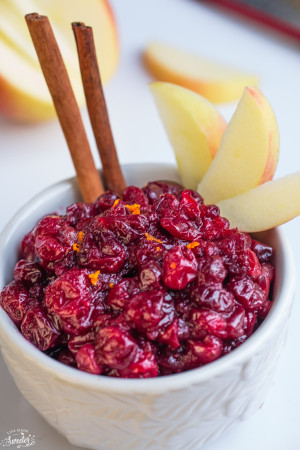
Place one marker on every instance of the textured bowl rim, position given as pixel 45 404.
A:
pixel 159 384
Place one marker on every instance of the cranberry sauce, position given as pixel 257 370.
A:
pixel 152 284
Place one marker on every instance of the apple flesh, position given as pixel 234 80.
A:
pixel 194 127
pixel 216 82
pixel 24 95
pixel 264 207
pixel 248 152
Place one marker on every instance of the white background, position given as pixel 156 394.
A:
pixel 33 157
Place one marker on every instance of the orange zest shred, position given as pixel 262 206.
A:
pixel 94 277
pixel 76 247
pixel 193 244
pixel 116 202
pixel 111 285
pixel 135 209
pixel 173 265
pixel 152 238
pixel 80 236
pixel 157 249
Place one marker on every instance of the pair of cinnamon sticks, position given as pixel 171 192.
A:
pixel 68 112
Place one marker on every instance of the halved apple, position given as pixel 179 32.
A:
pixel 264 207
pixel 194 127
pixel 216 82
pixel 23 92
pixel 248 153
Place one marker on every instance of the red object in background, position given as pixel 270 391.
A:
pixel 280 15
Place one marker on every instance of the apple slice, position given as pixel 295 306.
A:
pixel 265 206
pixel 248 153
pixel 26 97
pixel 194 127
pixel 216 82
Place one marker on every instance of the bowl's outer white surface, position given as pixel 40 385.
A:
pixel 175 412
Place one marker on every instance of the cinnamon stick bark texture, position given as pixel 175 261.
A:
pixel 68 113
pixel 97 109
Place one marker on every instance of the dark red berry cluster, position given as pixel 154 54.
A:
pixel 151 284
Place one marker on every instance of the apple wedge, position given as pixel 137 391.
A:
pixel 194 127
pixel 248 153
pixel 265 206
pixel 216 82
pixel 23 92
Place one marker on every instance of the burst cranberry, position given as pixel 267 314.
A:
pixel 145 310
pixel 181 228
pixel 213 270
pixel 119 294
pixel 28 272
pixel 133 194
pixel 126 228
pixel 53 238
pixel 68 297
pixel 247 292
pixel 150 276
pixel 102 251
pixel 28 247
pixel 202 352
pixel 179 267
pixel 76 342
pixel 66 357
pixel 86 360
pixel 37 328
pixel 115 348
pixel 106 201
pixel 190 204
pixel 15 300
pixel 264 252
pixel 79 214
pixel 144 365
pixel 155 189
pixel 213 297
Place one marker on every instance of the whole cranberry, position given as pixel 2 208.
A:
pixel 179 267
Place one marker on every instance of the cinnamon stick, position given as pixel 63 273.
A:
pixel 68 113
pixel 97 109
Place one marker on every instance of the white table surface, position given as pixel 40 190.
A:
pixel 33 157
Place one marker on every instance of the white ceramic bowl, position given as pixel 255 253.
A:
pixel 182 411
